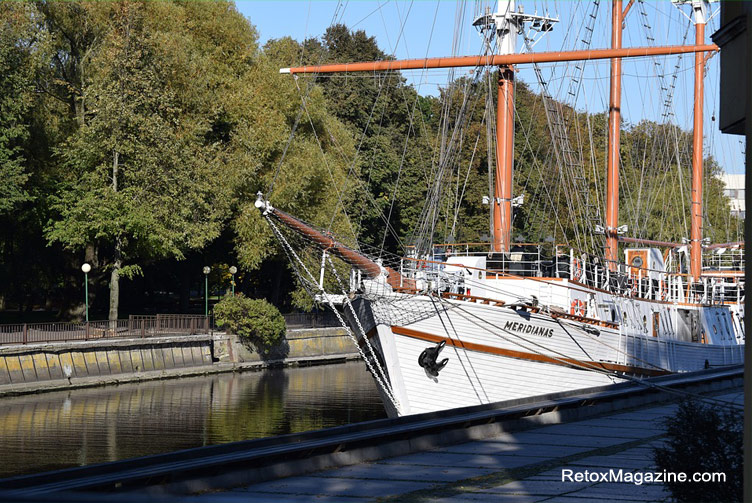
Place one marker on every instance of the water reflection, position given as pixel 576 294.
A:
pixel 78 427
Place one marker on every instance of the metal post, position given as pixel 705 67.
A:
pixel 233 271
pixel 86 294
pixel 608 277
pixel 639 282
pixel 323 269
pixel 571 264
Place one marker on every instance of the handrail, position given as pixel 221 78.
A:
pixel 668 287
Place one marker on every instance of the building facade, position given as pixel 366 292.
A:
pixel 735 191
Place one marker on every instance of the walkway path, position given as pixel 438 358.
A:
pixel 514 467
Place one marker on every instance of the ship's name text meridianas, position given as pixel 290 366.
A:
pixel 527 328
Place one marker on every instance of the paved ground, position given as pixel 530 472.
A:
pixel 515 467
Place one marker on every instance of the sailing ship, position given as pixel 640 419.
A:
pixel 451 325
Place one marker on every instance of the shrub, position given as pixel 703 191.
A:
pixel 700 439
pixel 254 320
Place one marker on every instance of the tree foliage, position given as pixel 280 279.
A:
pixel 254 320
pixel 165 121
pixel 138 133
pixel 703 439
pixel 385 118
pixel 16 95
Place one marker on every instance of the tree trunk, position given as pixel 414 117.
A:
pixel 115 284
pixel 117 263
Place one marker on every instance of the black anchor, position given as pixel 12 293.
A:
pixel 427 359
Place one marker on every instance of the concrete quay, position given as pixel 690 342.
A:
pixel 54 366
pixel 523 467
pixel 38 362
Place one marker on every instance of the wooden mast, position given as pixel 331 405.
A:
pixel 506 28
pixel 614 130
pixel 695 260
pixel 504 160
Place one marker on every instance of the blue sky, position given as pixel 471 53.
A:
pixel 420 28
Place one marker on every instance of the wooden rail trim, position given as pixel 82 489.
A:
pixel 472 298
pixel 583 319
pixel 524 355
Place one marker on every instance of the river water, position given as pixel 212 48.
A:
pixel 84 426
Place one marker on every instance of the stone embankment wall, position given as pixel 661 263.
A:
pixel 60 360
pixel 299 344
pixel 113 359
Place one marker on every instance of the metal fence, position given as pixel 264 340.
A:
pixel 134 326
pixel 139 326
pixel 312 320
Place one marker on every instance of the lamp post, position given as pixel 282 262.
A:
pixel 233 270
pixel 86 267
pixel 207 270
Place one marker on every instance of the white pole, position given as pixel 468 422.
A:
pixel 321 275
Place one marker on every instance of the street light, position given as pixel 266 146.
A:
pixel 86 267
pixel 233 270
pixel 207 270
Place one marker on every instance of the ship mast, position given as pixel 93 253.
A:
pixel 506 33
pixel 504 26
pixel 507 22
pixel 614 130
pixel 700 12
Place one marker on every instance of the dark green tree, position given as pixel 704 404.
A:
pixel 16 95
pixel 143 180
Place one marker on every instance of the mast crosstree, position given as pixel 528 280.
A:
pixel 508 22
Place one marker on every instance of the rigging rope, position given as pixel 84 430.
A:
pixel 380 376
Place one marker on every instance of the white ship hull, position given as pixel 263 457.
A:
pixel 499 353
pixel 516 319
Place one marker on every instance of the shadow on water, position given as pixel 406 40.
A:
pixel 79 427
pixel 278 352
